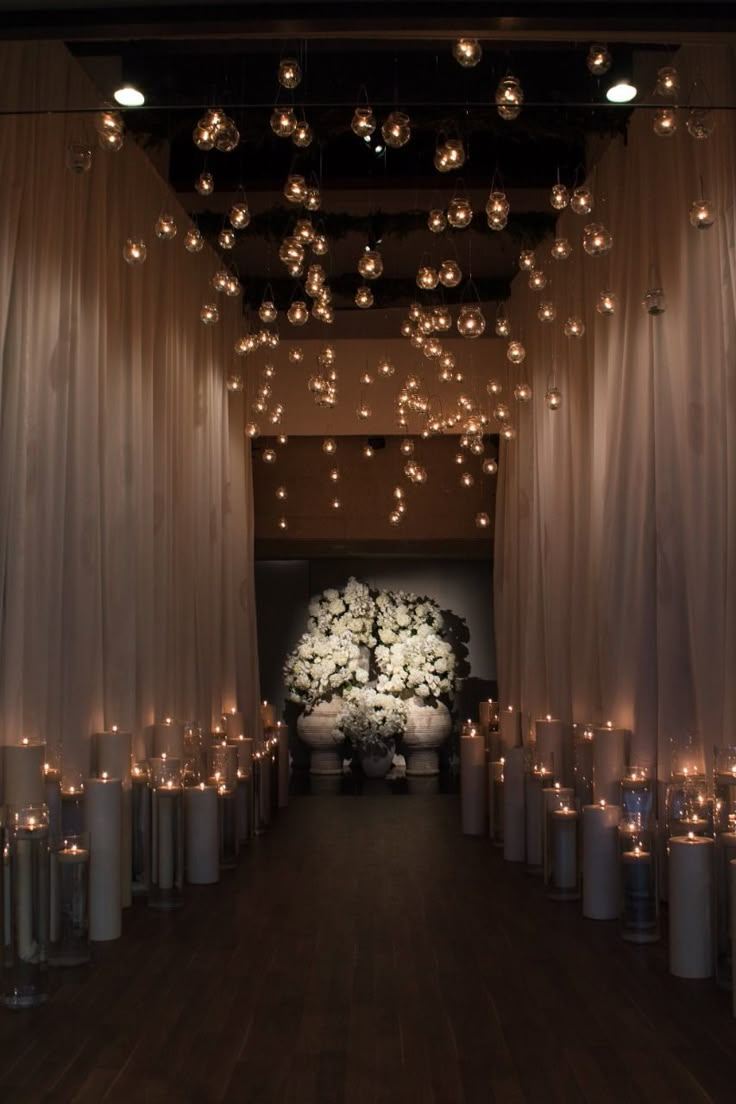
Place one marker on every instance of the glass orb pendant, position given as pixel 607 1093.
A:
pixel 503 326
pixel 329 446
pixel 165 227
pixel 515 352
pixel 490 467
pixel 574 327
pixel 295 188
pixel 596 239
pixel 546 312
pixel 466 479
pixel 427 277
pixel 559 197
pixel 523 392
pixel 193 241
pixel 482 520
pixel 450 274
pixel 226 238
pixel 598 60
pixel 581 200
pixel 664 123
pixel 537 279
pixel 267 311
pixel 701 214
pixel 370 265
pixel 239 216
pixel 467 52
pixel 436 221
pixel 205 184
pixel 509 98
pixel 364 297
pixel 450 155
pixel 561 249
pixel 527 260
pixel 668 81
pixel 553 398
pixel 459 212
pixel 283 122
pixel 470 322
pixel 134 251
pixel 209 314
pixel 364 122
pixel 396 130
pixel 302 135
pixel 700 123
pixel 654 301
pixel 607 303
pixel 289 73
pixel 297 313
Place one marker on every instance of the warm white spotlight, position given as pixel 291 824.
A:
pixel 128 96
pixel 623 91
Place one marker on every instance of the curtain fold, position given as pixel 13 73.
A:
pixel 616 515
pixel 122 555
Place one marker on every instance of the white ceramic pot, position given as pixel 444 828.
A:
pixel 377 764
pixel 317 730
pixel 427 728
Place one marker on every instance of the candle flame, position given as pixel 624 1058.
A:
pixel 603 803
pixel 104 775
pixel 25 740
pixel 114 728
pixel 167 720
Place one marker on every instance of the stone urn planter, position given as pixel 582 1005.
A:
pixel 317 730
pixel 377 763
pixel 427 728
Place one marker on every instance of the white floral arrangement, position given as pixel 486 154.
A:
pixel 372 720
pixel 321 666
pixel 391 639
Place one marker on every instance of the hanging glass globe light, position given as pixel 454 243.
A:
pixel 406 447
pixel 701 214
pixel 267 311
pixel 509 97
pixel 239 216
pixel 546 311
pixel 283 122
pixel 193 240
pixel 296 355
pixel 432 348
pixel 232 287
pixel 396 130
pixel 370 265
pixel 503 326
pixel 329 446
pixel 394 518
pixel 234 381
pixel 134 251
pixel 470 322
pixel 537 279
pixel 226 238
pixel 522 392
pixel 664 123
pixel 245 345
pixel 112 141
pixel 607 303
pixel 295 188
pixel 493 387
pixel 466 479
pixel 436 221
pixel 302 136
pixel 165 227
pixel 599 60
pixel 497 222
pixel 450 274
pixel 297 313
pixel 596 239
pixel 319 245
pixel 209 314
pixel 364 297
pixel 364 122
pixel 553 398
pixel 459 212
pixel 227 137
pixel 490 467
pixel 366 379
pixel 203 137
pixel 700 123
pixel 447 363
pixel 467 52
pixel 654 301
pixel 527 260
pixel 515 352
pixel 559 197
pixel 205 184
pixel 289 72
pixel 574 327
pixel 561 249
pixel 497 204
pixel 668 81
pixel 581 200
pixel 427 277
pixel 441 317
pixel 291 251
pixel 482 520
pixel 368 451
pixel 79 158
pixel 385 368
pixel 363 411
pixel 269 371
pixel 304 232
pixel 252 430
pixel 507 431
pixel 312 200
pixel 283 524
pixel 109 122
pixel 269 456
pixel 501 412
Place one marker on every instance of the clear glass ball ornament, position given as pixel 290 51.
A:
pixel 298 313
pixel 559 197
pixel 436 221
pixel 467 479
pixel 427 277
pixel 364 297
pixel 561 249
pixel 502 326
pixel 553 398
pixel 165 227
pixel 226 238
pixel 459 212
pixel 283 122
pixel 547 311
pixel 527 260
pixel 537 279
pixel 490 466
pixel 205 184
pixel 209 314
pixel 668 81
pixel 523 392
pixel 267 311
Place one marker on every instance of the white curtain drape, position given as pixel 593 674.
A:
pixel 125 525
pixel 615 584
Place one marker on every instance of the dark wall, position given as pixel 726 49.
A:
pixel 463 587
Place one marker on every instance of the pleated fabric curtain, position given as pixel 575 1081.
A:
pixel 125 521
pixel 615 554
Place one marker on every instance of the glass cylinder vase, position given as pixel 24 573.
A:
pixel 167 866
pixel 563 854
pixel 227 819
pixel 637 795
pixel 26 912
pixel 724 787
pixel 69 913
pixel 582 764
pixel 639 896
pixel 141 823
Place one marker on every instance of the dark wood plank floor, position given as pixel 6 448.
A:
pixel 366 953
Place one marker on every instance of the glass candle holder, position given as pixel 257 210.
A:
pixel 536 779
pixel 563 854
pixel 26 882
pixel 244 801
pixel 69 912
pixel 222 764
pixel 495 802
pixel 725 854
pixel 724 787
pixel 194 758
pixel 582 758
pixel 637 795
pixel 689 808
pixel 639 896
pixel 141 824
pixel 167 865
pixel 258 825
pixel 274 772
pixel 72 803
pixel 227 821
pixel 52 798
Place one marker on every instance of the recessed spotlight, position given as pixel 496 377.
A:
pixel 128 96
pixel 623 91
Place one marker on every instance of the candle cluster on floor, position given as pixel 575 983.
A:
pixel 76 852
pixel 568 803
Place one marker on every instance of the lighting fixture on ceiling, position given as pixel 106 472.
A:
pixel 129 96
pixel 621 91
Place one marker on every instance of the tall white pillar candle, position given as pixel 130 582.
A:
pixel 52 797
pixel 601 888
pixel 534 782
pixel 23 778
pixel 550 746
pixel 732 906
pixel 691 906
pixel 282 734
pixel 234 727
pixel 509 730
pixel 103 810
pixel 553 797
pixel 473 780
pixel 495 801
pixel 563 847
pixel 513 805
pixel 201 834
pixel 112 752
pixel 168 739
pixel 609 763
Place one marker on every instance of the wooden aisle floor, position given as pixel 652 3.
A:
pixel 366 952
